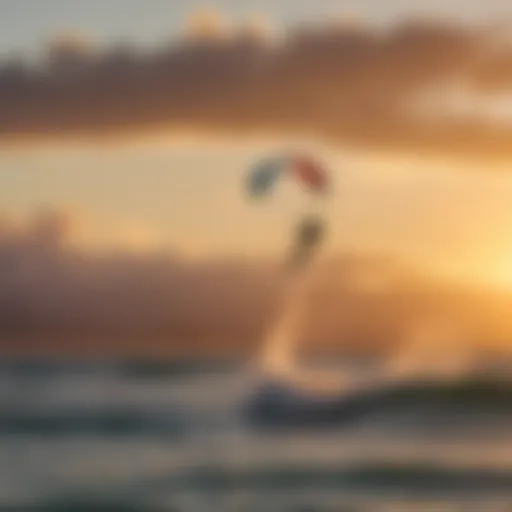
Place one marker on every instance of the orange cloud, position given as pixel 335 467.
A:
pixel 347 82
pixel 52 290
pixel 207 25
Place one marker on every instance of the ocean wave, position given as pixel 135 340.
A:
pixel 112 422
pixel 373 487
pixel 136 369
pixel 412 479
pixel 281 405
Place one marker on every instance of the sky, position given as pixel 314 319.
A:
pixel 25 24
pixel 189 198
pixel 122 173
pixel 161 192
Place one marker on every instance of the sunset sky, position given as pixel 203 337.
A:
pixel 185 193
pixel 188 197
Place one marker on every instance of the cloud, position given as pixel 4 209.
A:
pixel 50 289
pixel 70 44
pixel 206 24
pixel 57 297
pixel 257 27
pixel 349 82
pixel 457 101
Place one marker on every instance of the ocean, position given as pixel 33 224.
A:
pixel 162 436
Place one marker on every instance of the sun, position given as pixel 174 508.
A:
pixel 500 275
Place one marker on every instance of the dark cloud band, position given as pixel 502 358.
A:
pixel 346 83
